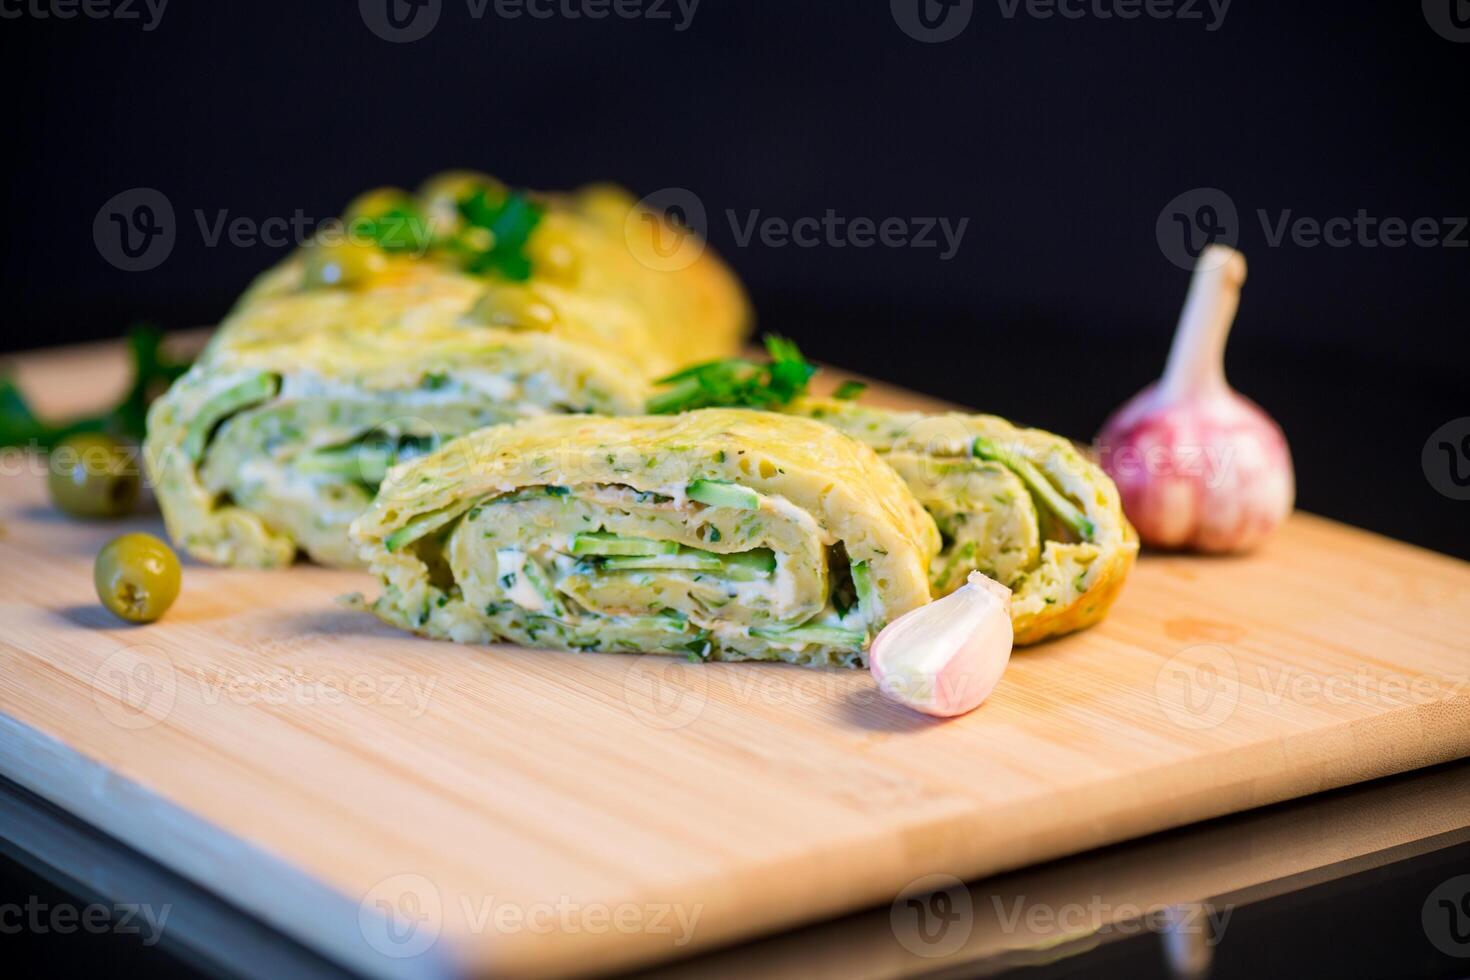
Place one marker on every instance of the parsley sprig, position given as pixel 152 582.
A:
pixel 509 219
pixel 153 371
pixel 738 382
pixel 490 239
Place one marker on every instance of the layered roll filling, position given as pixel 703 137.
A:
pixel 719 535
pixel 1022 506
pixel 463 306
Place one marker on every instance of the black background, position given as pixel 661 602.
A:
pixel 1060 140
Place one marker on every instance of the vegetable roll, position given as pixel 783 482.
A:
pixel 1021 506
pixel 722 534
pixel 424 316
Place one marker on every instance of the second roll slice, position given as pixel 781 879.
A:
pixel 723 534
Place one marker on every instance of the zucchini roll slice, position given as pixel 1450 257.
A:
pixel 429 316
pixel 723 534
pixel 1022 506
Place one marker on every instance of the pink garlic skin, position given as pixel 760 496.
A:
pixel 1209 474
pixel 945 658
pixel 1198 465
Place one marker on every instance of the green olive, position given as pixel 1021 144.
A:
pixel 515 306
pixel 376 203
pixel 452 186
pixel 93 475
pixel 606 204
pixel 137 577
pixel 441 195
pixel 552 248
pixel 345 263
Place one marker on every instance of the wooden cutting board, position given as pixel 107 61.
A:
pixel 423 809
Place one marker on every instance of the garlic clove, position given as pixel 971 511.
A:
pixel 945 658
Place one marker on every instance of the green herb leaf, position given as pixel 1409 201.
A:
pixel 736 382
pixel 849 390
pixel 153 371
pixel 509 220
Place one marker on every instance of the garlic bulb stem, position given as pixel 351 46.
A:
pixel 1196 365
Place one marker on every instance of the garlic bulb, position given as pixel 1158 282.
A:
pixel 1198 465
pixel 945 658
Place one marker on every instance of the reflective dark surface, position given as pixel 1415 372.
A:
pixel 1368 881
pixel 1369 924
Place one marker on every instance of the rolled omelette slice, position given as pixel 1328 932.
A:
pixel 430 315
pixel 721 534
pixel 1021 506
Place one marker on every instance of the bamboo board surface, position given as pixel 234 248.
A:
pixel 424 809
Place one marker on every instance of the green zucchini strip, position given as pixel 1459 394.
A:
pixel 1062 508
pixel 249 392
